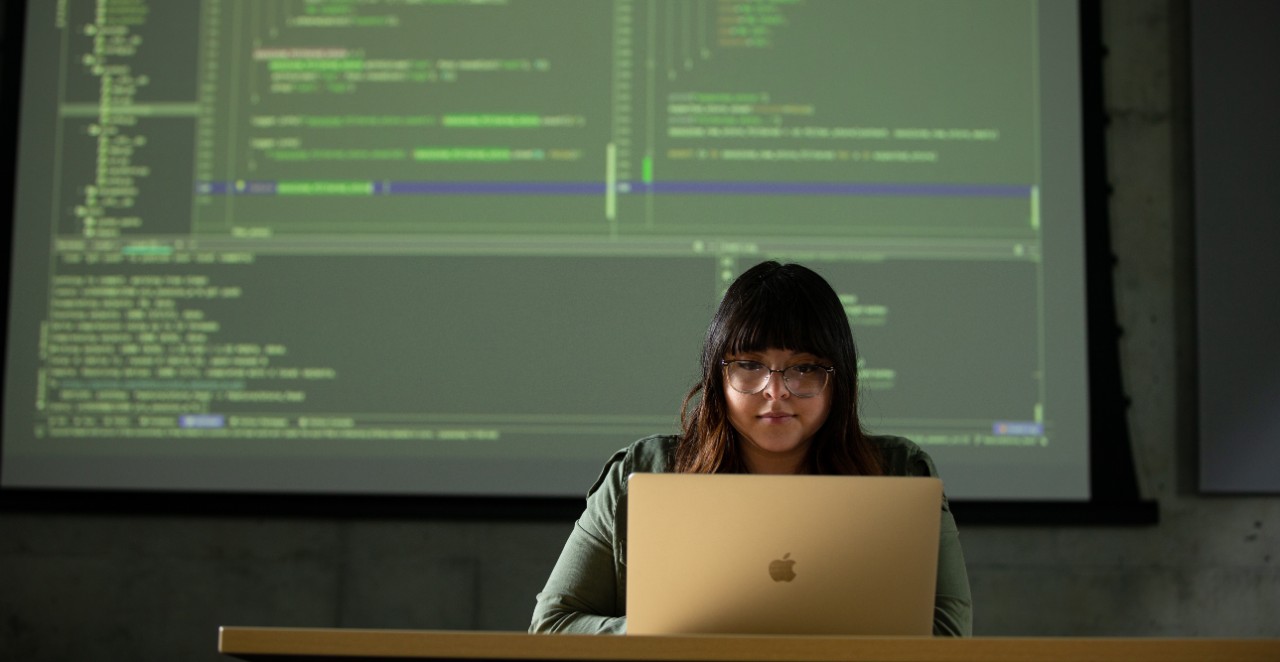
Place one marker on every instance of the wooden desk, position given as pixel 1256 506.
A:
pixel 283 644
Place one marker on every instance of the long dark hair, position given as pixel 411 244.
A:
pixel 782 306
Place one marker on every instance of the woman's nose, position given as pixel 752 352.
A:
pixel 775 389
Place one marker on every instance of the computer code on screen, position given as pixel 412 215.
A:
pixel 471 247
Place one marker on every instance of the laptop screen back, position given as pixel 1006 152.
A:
pixel 754 554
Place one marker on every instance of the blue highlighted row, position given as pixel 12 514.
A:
pixel 264 187
pixel 202 421
pixel 1017 428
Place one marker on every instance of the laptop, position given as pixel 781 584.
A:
pixel 755 554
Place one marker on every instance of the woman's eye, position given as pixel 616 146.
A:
pixel 750 366
pixel 805 369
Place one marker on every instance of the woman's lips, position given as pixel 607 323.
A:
pixel 776 417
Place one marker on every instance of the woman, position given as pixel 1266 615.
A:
pixel 778 395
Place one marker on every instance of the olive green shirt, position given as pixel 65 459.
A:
pixel 587 589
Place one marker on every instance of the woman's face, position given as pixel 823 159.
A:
pixel 776 426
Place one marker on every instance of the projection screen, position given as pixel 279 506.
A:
pixel 471 247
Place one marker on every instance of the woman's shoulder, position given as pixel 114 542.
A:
pixel 652 454
pixel 902 457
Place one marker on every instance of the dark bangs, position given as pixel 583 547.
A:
pixel 786 307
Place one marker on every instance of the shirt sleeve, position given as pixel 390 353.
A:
pixel 953 603
pixel 582 594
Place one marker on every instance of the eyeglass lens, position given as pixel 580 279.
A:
pixel 805 380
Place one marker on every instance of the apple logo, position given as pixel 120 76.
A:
pixel 781 569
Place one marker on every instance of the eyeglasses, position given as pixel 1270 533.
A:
pixel 804 380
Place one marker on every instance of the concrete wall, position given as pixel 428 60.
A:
pixel 86 587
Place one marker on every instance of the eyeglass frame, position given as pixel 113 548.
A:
pixel 829 369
